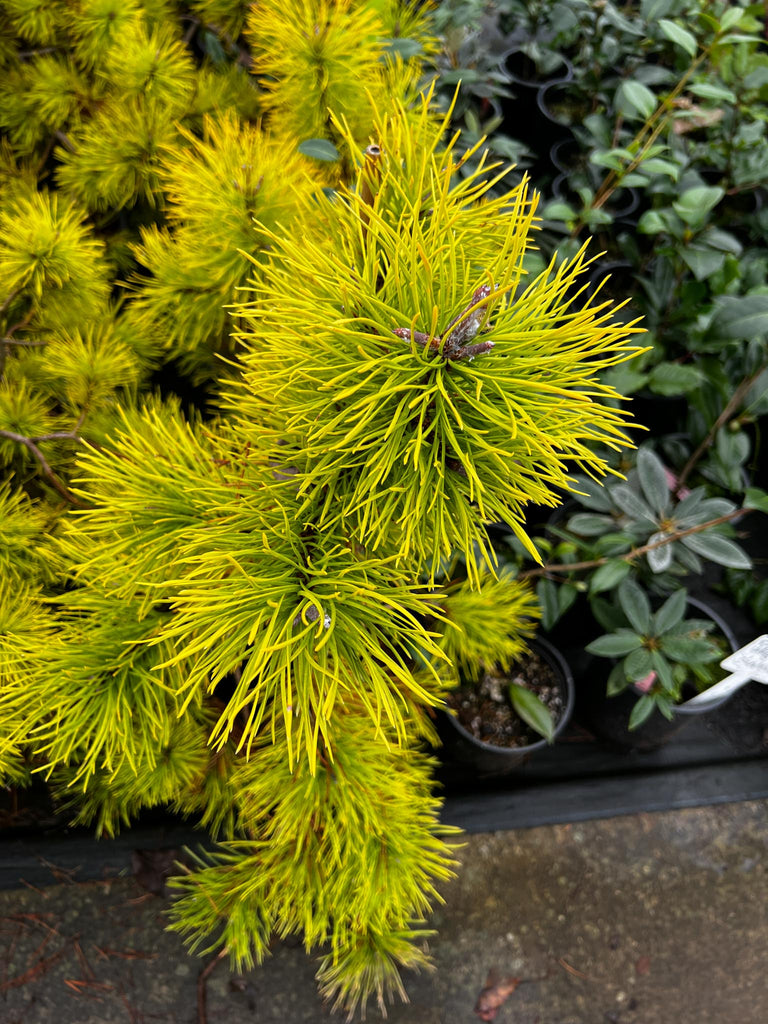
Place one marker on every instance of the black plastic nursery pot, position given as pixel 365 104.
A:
pixel 484 760
pixel 608 717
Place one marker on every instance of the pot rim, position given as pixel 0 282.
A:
pixel 561 666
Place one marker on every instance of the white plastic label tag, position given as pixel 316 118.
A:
pixel 750 662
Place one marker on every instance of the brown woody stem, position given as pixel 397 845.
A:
pixel 630 556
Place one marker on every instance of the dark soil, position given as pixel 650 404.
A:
pixel 485 710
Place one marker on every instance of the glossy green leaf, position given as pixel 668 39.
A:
pixel 712 91
pixel 743 316
pixel 655 165
pixel 532 710
pixel 702 261
pixel 731 17
pixel 634 98
pixel 695 203
pixel 679 36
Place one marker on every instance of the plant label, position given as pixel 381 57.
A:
pixel 750 662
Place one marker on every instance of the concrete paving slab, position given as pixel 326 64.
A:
pixel 657 918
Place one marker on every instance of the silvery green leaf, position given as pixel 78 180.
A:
pixel 609 575
pixel 590 493
pixel 590 525
pixel 659 558
pixel 653 480
pixel 671 612
pixel 642 710
pixel 690 650
pixel 546 592
pixel 631 504
pixel 688 559
pixel 638 664
pixel 663 670
pixel 635 605
pixel 707 509
pixel 718 549
pixel 615 645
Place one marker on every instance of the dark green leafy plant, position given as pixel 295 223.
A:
pixel 660 651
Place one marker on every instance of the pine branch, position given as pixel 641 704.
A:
pixel 31 446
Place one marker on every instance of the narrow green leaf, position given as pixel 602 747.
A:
pixel 617 680
pixel 731 17
pixel 671 612
pixel 718 549
pixel 712 91
pixel 641 711
pixel 609 576
pixel 566 595
pixel 592 494
pixel 635 605
pixel 631 504
pixel 635 98
pixel 590 525
pixel 653 480
pixel 546 592
pixel 679 36
pixel 532 710
pixel 655 165
pixel 615 645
